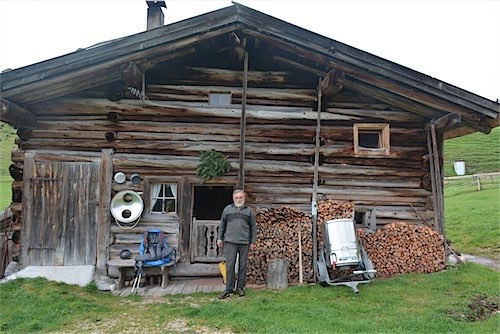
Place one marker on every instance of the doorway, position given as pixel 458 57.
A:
pixel 208 203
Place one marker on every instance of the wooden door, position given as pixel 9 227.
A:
pixel 204 241
pixel 61 213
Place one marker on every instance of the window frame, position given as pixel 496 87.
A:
pixel 149 196
pixel 215 98
pixel 383 131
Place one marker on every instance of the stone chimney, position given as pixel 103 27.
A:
pixel 155 14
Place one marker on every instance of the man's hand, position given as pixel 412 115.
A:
pixel 253 246
pixel 220 244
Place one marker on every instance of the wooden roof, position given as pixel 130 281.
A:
pixel 269 41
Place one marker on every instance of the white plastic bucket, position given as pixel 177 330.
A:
pixel 459 167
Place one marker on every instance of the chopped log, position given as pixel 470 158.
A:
pixel 277 274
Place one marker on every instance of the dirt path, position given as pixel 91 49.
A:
pixel 481 260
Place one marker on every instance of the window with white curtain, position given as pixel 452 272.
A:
pixel 163 197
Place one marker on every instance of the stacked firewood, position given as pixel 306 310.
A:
pixel 404 248
pixel 330 209
pixel 278 238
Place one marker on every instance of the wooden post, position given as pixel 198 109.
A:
pixel 433 178
pixel 243 124
pixel 436 179
pixel 103 225
pixel 27 205
pixel 301 275
pixel 439 180
pixel 315 183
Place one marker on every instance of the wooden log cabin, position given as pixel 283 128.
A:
pixel 298 116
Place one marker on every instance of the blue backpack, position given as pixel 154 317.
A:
pixel 154 250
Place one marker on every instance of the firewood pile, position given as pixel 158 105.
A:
pixel 404 248
pixel 395 249
pixel 278 238
pixel 329 209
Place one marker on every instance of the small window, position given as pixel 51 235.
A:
pixel 371 139
pixel 219 99
pixel 163 197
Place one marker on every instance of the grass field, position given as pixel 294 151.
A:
pixel 473 217
pixel 457 300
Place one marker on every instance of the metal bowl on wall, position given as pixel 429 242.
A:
pixel 135 178
pixel 119 177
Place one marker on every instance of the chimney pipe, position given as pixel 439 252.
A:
pixel 155 14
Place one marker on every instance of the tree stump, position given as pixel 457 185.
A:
pixel 277 274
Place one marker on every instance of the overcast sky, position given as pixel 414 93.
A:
pixel 454 41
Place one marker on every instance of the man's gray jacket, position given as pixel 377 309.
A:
pixel 237 225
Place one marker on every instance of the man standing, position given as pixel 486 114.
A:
pixel 237 233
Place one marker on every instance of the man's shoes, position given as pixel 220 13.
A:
pixel 225 294
pixel 241 292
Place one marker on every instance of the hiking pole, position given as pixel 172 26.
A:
pixel 137 281
pixel 133 283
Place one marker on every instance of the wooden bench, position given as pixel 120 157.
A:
pixel 122 266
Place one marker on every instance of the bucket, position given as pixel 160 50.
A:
pixel 459 167
pixel 340 242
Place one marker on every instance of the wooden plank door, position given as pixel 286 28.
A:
pixel 204 241
pixel 61 213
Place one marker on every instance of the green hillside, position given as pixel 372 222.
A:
pixel 480 152
pixel 7 137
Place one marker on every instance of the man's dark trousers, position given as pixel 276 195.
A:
pixel 231 251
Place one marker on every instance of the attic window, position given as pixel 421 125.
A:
pixel 371 139
pixel 219 99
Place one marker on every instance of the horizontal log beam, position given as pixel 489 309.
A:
pixel 15 114
pixel 225 144
pixel 154 108
pixel 300 95
pixel 447 122
pixel 235 77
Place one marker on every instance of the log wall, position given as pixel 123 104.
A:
pixel 163 136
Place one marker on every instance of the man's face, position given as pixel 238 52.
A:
pixel 239 199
